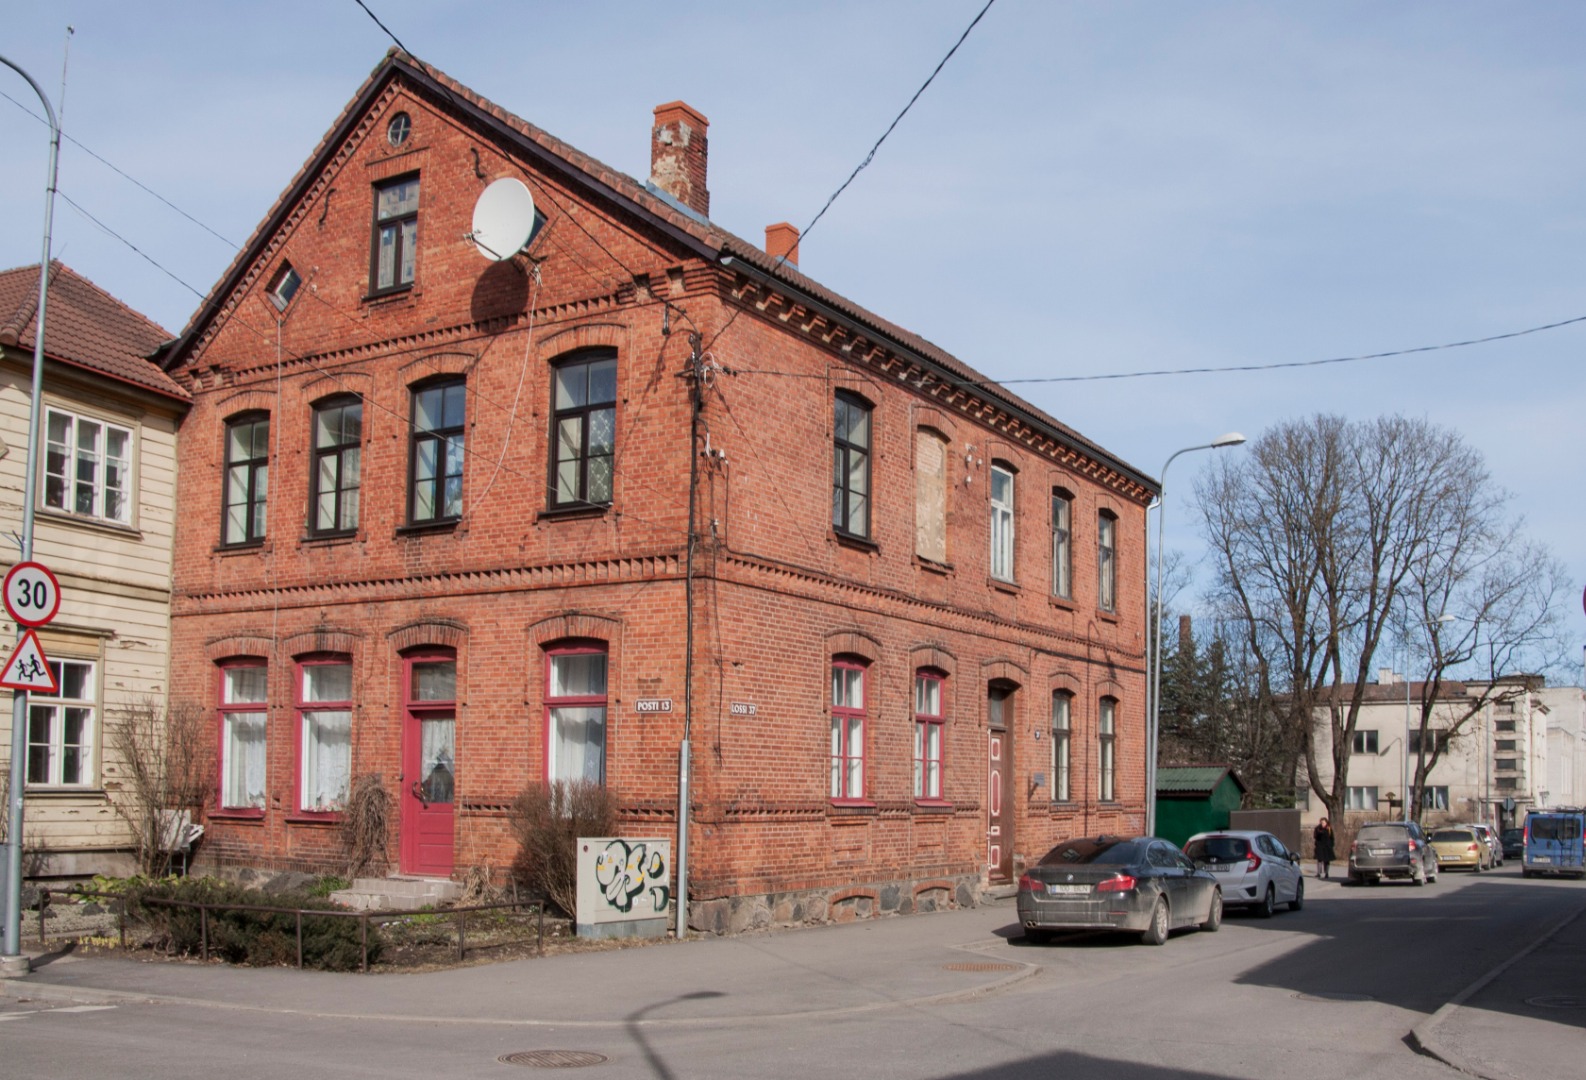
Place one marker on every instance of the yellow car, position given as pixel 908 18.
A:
pixel 1458 848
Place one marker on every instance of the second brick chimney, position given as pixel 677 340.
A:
pixel 782 239
pixel 678 155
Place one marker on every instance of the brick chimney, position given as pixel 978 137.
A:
pixel 678 155
pixel 782 239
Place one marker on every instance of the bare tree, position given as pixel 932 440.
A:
pixel 165 770
pixel 1334 539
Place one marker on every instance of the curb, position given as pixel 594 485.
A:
pixel 1423 1037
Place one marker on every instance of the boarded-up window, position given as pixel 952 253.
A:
pixel 930 496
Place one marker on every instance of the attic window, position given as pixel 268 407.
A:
pixel 398 130
pixel 284 286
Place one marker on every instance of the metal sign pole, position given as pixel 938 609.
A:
pixel 11 960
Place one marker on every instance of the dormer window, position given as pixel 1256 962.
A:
pixel 284 286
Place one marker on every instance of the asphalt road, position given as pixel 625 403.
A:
pixel 1330 991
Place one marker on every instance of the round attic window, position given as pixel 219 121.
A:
pixel 398 130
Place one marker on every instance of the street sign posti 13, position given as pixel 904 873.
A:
pixel 32 595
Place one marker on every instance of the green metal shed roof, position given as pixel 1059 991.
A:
pixel 1194 779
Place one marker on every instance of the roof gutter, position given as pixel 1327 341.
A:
pixel 854 326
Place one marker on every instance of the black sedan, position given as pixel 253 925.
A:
pixel 1139 884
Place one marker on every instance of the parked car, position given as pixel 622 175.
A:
pixel 1553 842
pixel 1461 847
pixel 1129 883
pixel 1489 836
pixel 1513 843
pixel 1254 869
pixel 1391 849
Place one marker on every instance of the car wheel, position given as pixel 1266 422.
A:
pixel 1436 869
pixel 1268 903
pixel 1478 866
pixel 1525 873
pixel 1037 937
pixel 1156 933
pixel 1214 915
pixel 1299 896
pixel 1419 876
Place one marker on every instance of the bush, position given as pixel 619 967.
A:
pixel 365 824
pixel 255 938
pixel 547 820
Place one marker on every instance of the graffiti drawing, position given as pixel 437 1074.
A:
pixel 626 870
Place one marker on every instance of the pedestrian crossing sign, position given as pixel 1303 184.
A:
pixel 28 669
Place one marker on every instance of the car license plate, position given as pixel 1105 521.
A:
pixel 1221 868
pixel 1541 858
pixel 1067 890
pixel 1380 852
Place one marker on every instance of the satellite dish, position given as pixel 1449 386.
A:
pixel 503 219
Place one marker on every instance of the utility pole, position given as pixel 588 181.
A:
pixel 12 962
pixel 696 381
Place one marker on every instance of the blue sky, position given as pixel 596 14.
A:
pixel 1089 188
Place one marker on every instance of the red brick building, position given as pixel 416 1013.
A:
pixel 436 527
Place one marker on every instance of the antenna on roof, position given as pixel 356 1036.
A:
pixel 503 219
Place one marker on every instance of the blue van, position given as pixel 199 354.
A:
pixel 1555 842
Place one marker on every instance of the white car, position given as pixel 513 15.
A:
pixel 1254 868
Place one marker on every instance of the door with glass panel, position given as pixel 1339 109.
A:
pixel 429 766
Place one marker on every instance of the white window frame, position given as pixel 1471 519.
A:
pixel 1107 750
pixel 1434 798
pixel 930 722
pixel 1002 521
pixel 1365 741
pixel 1361 798
pixel 1106 561
pixel 56 710
pixel 64 461
pixel 1062 746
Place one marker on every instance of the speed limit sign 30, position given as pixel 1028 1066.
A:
pixel 32 595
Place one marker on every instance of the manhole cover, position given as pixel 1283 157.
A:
pixel 552 1059
pixel 1558 1001
pixel 1335 996
pixel 984 966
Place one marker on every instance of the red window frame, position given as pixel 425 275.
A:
pixel 924 723
pixel 222 710
pixel 300 730
pixel 847 759
pixel 572 701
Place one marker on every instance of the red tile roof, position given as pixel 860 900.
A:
pixel 84 326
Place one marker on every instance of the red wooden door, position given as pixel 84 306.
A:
pixel 429 768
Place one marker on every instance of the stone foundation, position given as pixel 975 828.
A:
pixel 737 914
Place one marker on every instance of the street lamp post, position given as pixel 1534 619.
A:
pixel 11 959
pixel 1233 438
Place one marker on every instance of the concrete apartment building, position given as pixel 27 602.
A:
pixel 436 527
pixel 103 524
pixel 1493 770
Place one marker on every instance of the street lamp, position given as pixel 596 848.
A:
pixel 1233 438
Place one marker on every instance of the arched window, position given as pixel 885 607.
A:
pixel 244 688
pixel 584 428
pixel 848 728
pixel 1107 749
pixel 929 720
pixel 575 712
pixel 1001 521
pixel 247 478
pixel 851 465
pixel 337 472
pixel 1107 561
pixel 1062 543
pixel 1062 745
pixel 436 464
pixel 324 721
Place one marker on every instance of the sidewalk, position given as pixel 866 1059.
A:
pixel 817 971
pixel 1523 1020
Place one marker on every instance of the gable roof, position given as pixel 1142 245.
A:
pixel 84 326
pixel 692 231
pixel 1194 779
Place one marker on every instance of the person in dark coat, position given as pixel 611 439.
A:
pixel 1323 836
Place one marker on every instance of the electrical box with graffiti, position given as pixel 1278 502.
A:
pixel 624 887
